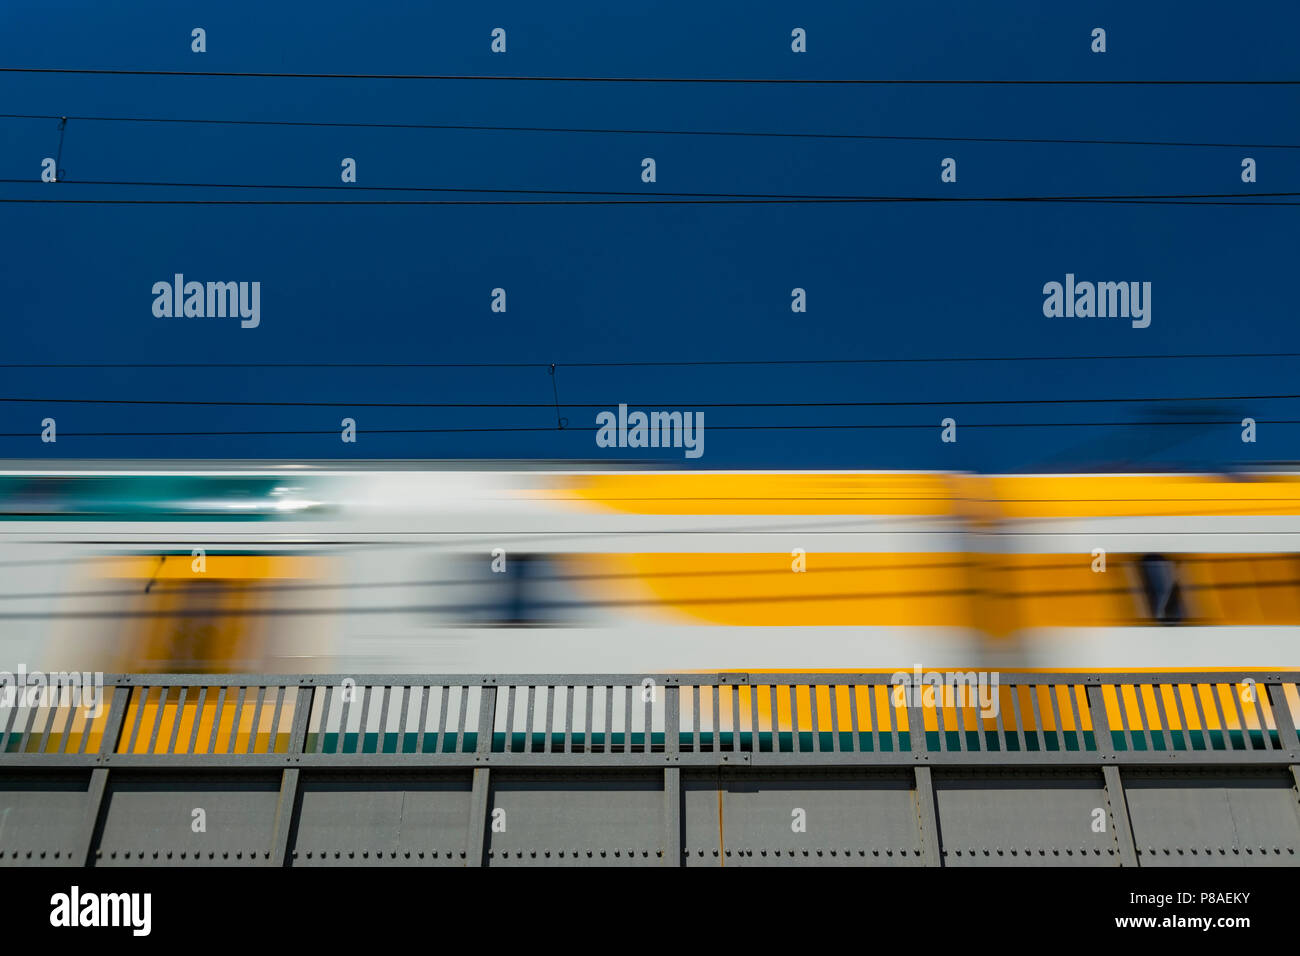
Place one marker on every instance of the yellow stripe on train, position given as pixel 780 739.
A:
pixel 936 494
pixel 997 594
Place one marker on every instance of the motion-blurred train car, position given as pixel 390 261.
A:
pixel 355 569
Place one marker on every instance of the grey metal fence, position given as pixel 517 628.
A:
pixel 656 746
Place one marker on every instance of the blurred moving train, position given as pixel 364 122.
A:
pixel 354 568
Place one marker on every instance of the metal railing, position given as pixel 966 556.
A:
pixel 829 719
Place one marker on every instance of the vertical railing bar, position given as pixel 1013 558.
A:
pixel 327 702
pixel 67 728
pixel 198 717
pixel 462 720
pixel 672 720
pixel 940 722
pixel 568 718
pixel 1022 738
pixel 588 743
pixel 774 718
pixel 1144 717
pixel 968 706
pixel 812 717
pixel 1263 711
pixel 85 732
pixel 529 702
pixel 1037 710
pixel 1280 708
pixel 1195 693
pixel 697 735
pixel 281 692
pixel 835 718
pixel 1222 716
pixel 648 706
pixel 297 742
pixel 1036 692
pixel 735 717
pixel 1101 731
pixel 1076 714
pixel 550 719
pixel 487 718
pixel 715 692
pixel 895 731
pixel 1000 720
pixel 1166 727
pixel 1180 712
pixel 854 724
pixel 1054 706
pixel 216 720
pixel 52 713
pixel 1256 707
pixel 30 723
pixel 444 702
pixel 1239 712
pixel 404 692
pixel 7 731
pixel 421 731
pixel 961 708
pixel 627 723
pixel 384 701
pixel 251 746
pixel 977 717
pixel 142 695
pixel 608 746
pixel 238 718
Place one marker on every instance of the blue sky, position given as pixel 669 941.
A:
pixel 657 283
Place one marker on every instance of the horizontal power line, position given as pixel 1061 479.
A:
pixel 802 81
pixel 668 363
pixel 655 405
pixel 645 195
pixel 649 201
pixel 758 134
pixel 593 429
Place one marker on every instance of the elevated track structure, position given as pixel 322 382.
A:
pixel 1110 769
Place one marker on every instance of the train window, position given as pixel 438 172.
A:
pixel 1159 580
pixel 522 593
pixel 216 612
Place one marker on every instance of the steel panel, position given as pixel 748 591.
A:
pixel 351 820
pixel 1045 818
pixel 571 819
pixel 148 821
pixel 42 818
pixel 1247 818
pixel 739 818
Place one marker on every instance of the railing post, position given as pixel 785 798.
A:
pixel 1119 816
pixel 1114 785
pixel 673 816
pixel 285 813
pixel 481 789
pixel 927 817
pixel 98 786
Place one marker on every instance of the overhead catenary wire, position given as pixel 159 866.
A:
pixel 556 404
pixel 664 363
pixel 555 429
pixel 651 200
pixel 666 195
pixel 534 78
pixel 758 134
